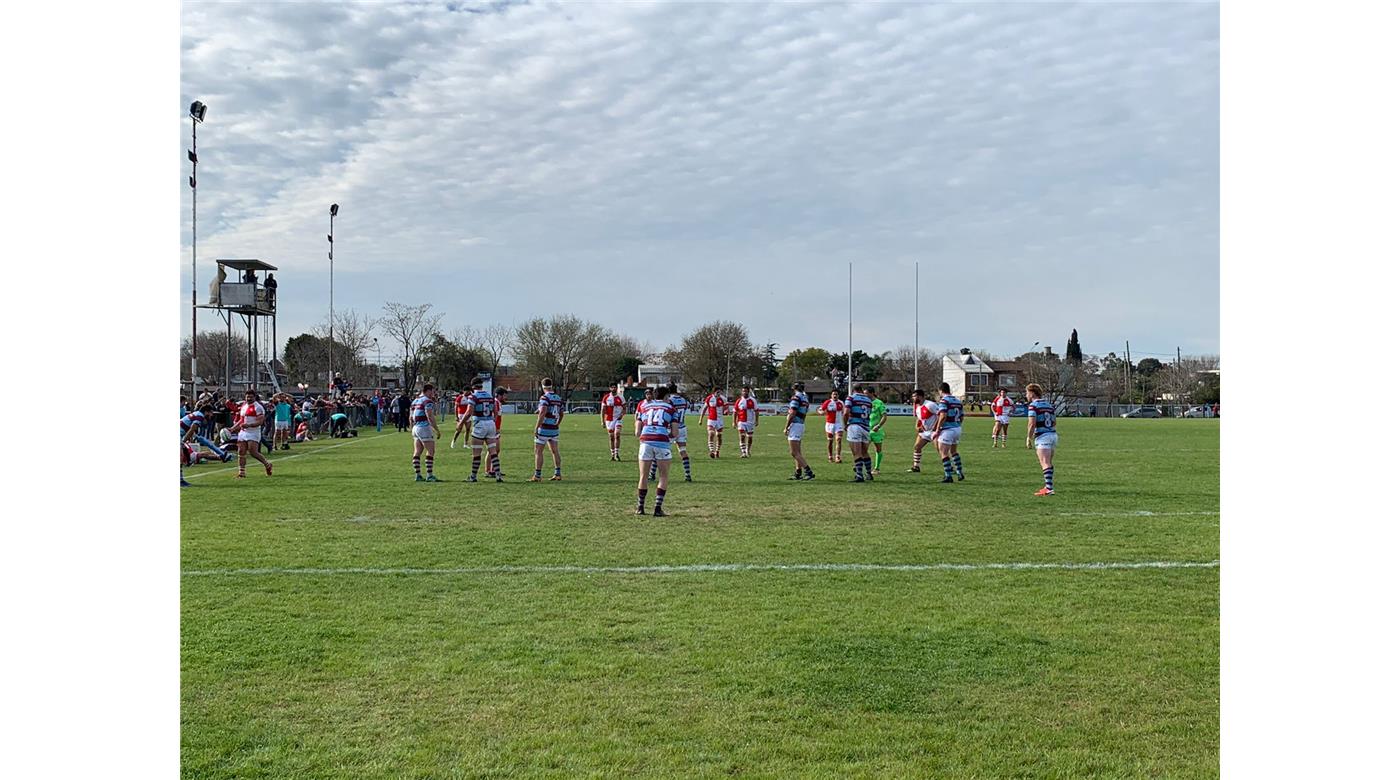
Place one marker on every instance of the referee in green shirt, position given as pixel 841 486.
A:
pixel 877 432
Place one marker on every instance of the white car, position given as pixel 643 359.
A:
pixel 1197 411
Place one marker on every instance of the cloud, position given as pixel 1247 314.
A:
pixel 656 166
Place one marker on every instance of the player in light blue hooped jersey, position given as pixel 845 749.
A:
pixel 796 424
pixel 1040 429
pixel 550 412
pixel 679 406
pixel 655 427
pixel 947 429
pixel 482 414
pixel 425 433
pixel 858 405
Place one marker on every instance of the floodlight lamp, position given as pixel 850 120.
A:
pixel 194 158
pixel 335 209
pixel 330 238
pixel 197 111
pixel 192 186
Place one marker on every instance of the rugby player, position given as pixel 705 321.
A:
pixel 924 414
pixel 655 427
pixel 835 410
pixel 249 430
pixel 499 401
pixel 745 419
pixel 464 414
pixel 715 404
pixel 550 410
pixel 425 433
pixel 679 406
pixel 796 423
pixel 947 430
pixel 1040 429
pixel 1001 417
pixel 614 407
pixel 858 432
pixel 484 431
pixel 877 432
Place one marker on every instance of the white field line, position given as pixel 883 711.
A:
pixel 1139 513
pixel 719 567
pixel 256 465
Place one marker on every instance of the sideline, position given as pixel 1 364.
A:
pixel 720 567
pixel 257 465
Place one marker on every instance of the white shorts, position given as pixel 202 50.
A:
pixel 461 418
pixel 950 435
pixel 484 429
pixel 423 432
pixel 1004 419
pixel 651 450
pixel 546 439
pixel 250 434
pixel 857 434
pixel 833 428
pixel 744 427
pixel 794 432
pixel 1047 441
pixel 613 425
pixel 680 435
pixel 283 425
pixel 717 425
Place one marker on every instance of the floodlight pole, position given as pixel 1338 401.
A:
pixel 330 342
pixel 194 237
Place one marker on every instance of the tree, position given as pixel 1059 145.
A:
pixel 305 359
pixel 412 328
pixel 898 366
pixel 556 347
pixel 768 363
pixel 495 342
pixel 450 364
pixel 1073 354
pixel 613 357
pixel 866 367
pixel 1149 366
pixel 802 364
pixel 714 352
pixel 353 337
pixel 1057 377
pixel 213 346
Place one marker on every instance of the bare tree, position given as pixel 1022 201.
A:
pixel 353 337
pixel 412 328
pixel 612 358
pixel 556 347
pixel 898 366
pixel 496 341
pixel 214 346
pixel 713 353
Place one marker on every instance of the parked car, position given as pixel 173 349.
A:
pixel 584 410
pixel 1197 411
pixel 1142 411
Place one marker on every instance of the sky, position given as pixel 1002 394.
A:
pixel 656 167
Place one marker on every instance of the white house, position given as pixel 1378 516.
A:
pixel 653 374
pixel 966 374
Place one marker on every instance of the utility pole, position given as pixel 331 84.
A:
pixel 1128 371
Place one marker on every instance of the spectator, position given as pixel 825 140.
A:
pixel 401 411
pixel 271 285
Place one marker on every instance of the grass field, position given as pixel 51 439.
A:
pixel 302 657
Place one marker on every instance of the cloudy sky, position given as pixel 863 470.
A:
pixel 653 167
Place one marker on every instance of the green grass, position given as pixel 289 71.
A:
pixel 984 673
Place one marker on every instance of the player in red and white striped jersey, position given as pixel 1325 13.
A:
pixel 715 404
pixel 249 430
pixel 745 419
pixel 614 408
pixel 464 414
pixel 1001 417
